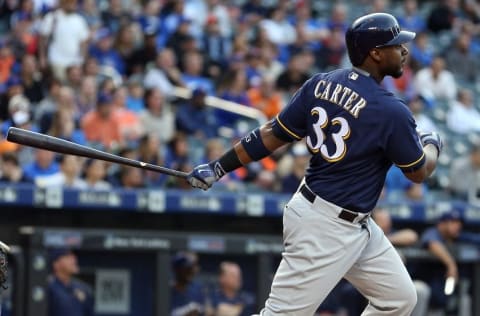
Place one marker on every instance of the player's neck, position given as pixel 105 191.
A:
pixel 369 70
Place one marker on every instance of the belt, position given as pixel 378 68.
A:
pixel 344 214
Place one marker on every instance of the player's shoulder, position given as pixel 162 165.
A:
pixel 391 103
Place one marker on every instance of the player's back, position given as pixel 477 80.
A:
pixel 350 124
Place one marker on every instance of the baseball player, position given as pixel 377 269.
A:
pixel 355 131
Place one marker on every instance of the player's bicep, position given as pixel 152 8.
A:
pixel 403 146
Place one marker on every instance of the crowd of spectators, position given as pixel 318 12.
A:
pixel 103 73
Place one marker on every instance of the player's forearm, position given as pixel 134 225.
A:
pixel 267 137
pixel 439 251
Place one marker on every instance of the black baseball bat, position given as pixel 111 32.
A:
pixel 42 141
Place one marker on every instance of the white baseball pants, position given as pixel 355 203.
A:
pixel 321 248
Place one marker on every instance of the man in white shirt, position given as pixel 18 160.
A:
pixel 463 117
pixel 435 82
pixel 64 36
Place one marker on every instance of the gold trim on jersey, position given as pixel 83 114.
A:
pixel 413 163
pixel 287 130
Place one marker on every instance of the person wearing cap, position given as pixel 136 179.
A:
pixel 101 125
pixel 105 53
pixel 194 117
pixel 440 241
pixel 187 296
pixel 66 294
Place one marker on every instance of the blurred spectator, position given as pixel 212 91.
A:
pixel 195 118
pixel 7 60
pixel 278 30
pixel 64 126
pixel 49 103
pixel 63 42
pixel 270 66
pixel 301 156
pixel 181 40
pixel 91 13
pixel 23 37
pixel 31 79
pixel 463 117
pixel 135 95
pixel 19 113
pixel 331 53
pixel 421 51
pixel 73 77
pixel 103 51
pixel 13 88
pixel 65 102
pixel 464 174
pixel 149 18
pixel 187 296
pixel 66 294
pixel 291 79
pixel 125 41
pixel 265 97
pixel 11 170
pixel 411 19
pixel 86 98
pixel 440 241
pixel 94 175
pixel 151 150
pixel 131 178
pixel 131 128
pixel 115 15
pixel 315 31
pixel 101 125
pixel 158 117
pixel 435 82
pixel 222 13
pixel 164 75
pixel 466 70
pixel 43 165
pixel 216 46
pixel 67 177
pixel 424 123
pixel 338 16
pixel 232 87
pixel 443 16
pixel 177 151
pixel 399 188
pixel 228 299
pixel 145 53
pixel 192 75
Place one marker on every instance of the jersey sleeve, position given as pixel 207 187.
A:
pixel 403 145
pixel 290 124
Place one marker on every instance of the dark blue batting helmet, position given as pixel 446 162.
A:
pixel 373 31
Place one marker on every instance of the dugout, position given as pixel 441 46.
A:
pixel 130 270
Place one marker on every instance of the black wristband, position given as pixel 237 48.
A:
pixel 228 162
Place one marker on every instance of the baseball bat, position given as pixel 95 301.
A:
pixel 42 141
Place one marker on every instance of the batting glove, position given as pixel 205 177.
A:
pixel 202 176
pixel 431 138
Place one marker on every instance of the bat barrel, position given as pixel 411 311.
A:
pixel 42 141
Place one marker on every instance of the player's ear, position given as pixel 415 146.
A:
pixel 375 54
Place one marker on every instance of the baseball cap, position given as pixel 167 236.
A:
pixel 102 34
pixel 183 260
pixel 452 215
pixel 104 98
pixel 56 253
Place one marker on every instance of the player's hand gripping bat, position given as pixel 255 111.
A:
pixel 42 141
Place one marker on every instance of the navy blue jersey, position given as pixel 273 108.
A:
pixel 74 299
pixel 355 130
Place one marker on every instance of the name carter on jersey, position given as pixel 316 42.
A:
pixel 342 96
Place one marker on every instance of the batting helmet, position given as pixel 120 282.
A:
pixel 372 31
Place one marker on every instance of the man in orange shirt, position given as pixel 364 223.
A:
pixel 265 98
pixel 101 126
